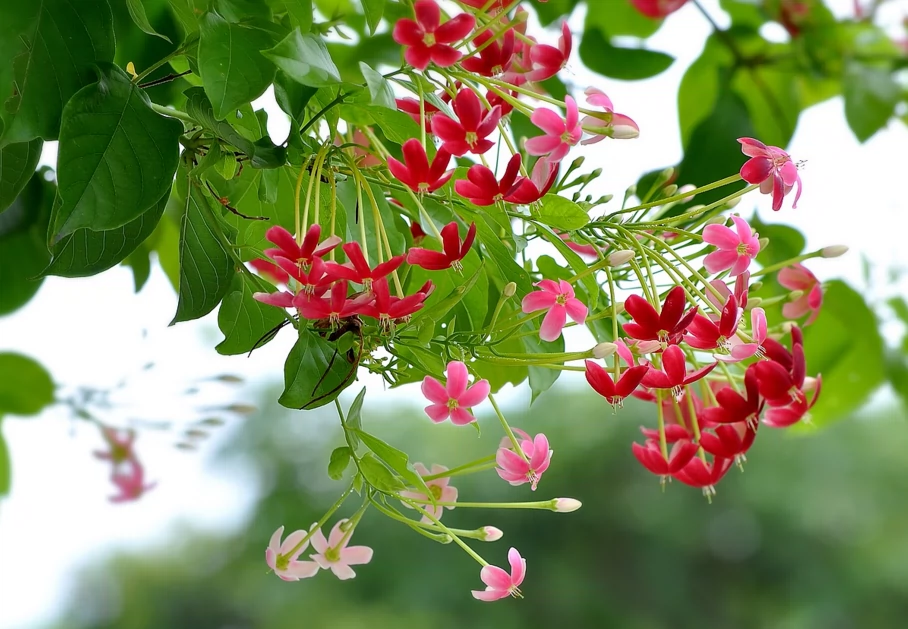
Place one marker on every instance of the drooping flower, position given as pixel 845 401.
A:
pixel 500 584
pixel 358 270
pixel 734 407
pixel 129 478
pixel 481 186
pixel 496 99
pixel 657 9
pixel 705 476
pixel 430 41
pixel 516 470
pixel 560 133
pixel 706 334
pixel 729 441
pixel 467 134
pixel 736 250
pixel 650 456
pixel 798 277
pixel 440 488
pixel 739 350
pixel 674 374
pixel 284 564
pixel 335 555
pixel 452 253
pixel 742 283
pixel 666 327
pixel 120 445
pixel 410 106
pixel 611 125
pixel 614 392
pixel 493 58
pixel 304 253
pixel 415 171
pixel 547 61
pixel 558 298
pixel 387 308
pixel 772 169
pixel 527 190
pixel 334 307
pixel 454 397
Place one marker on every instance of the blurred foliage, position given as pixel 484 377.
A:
pixel 810 537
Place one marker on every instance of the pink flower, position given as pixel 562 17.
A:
pixel 500 584
pixel 129 478
pixel 454 397
pixel 612 125
pixel 334 307
pixel 439 487
pixel 614 392
pixel 513 468
pixel 736 250
pixel 558 298
pixel 286 565
pixel 428 39
pixel 772 168
pixel 705 333
pixel 547 60
pixel 269 270
pixel 333 553
pixel 738 349
pixel 120 444
pixel 742 283
pixel 495 58
pixel 657 9
pixel 560 135
pixel 797 277
pixel 416 172
pixel 469 133
pixel 410 106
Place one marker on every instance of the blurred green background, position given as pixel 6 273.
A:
pixel 812 535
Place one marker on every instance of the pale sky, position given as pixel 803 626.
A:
pixel 94 331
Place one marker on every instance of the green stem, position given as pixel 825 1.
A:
pixel 507 429
pixel 466 468
pixel 190 41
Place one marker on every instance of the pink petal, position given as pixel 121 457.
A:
pixel 445 56
pixel 553 323
pixel 542 144
pixel 434 391
pixel 356 555
pixel 548 121
pixel 720 260
pixel 301 569
pixel 576 310
pixel 518 566
pixel 271 558
pixel 513 478
pixel 489 595
pixel 428 14
pixel 437 412
pixel 739 266
pixel 511 462
pixel 334 539
pixel 449 494
pixel 538 300
pixel 475 394
pixel 753 148
pixel 322 561
pixel 275 543
pixel 540 451
pixel 291 541
pixel 455 28
pixel 756 170
pixel 318 541
pixel 458 377
pixel 342 571
pixel 495 578
pixel 418 56
pixel 721 236
pixel 461 417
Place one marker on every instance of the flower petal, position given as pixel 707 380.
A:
pixel 438 412
pixel 474 395
pixel 518 566
pixel 553 323
pixel 434 391
pixel 495 578
pixel 342 571
pixel 356 555
pixel 538 300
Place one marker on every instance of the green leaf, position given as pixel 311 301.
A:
pixel 6 468
pixel 373 9
pixel 292 97
pixel 86 252
pixel 138 15
pixel 47 49
pixel 206 269
pixel 300 12
pixel 561 213
pixel 496 248
pixel 784 242
pixel 234 71
pixel 379 88
pixel 305 59
pixel 243 320
pixel 339 461
pixel 354 421
pixel 541 379
pixel 699 87
pixel 117 156
pixel 25 386
pixel 378 475
pixel 550 11
pixel 315 373
pixel 745 13
pixel 627 64
pixel 140 263
pixel 239 10
pixel 871 95
pixel 396 125
pixel 396 460
pixel 17 165
pixel 844 344
pixel 23 248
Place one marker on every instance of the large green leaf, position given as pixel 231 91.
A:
pixel 627 64
pixel 871 95
pixel 379 87
pixel 243 320
pixel 315 373
pixel 305 59
pixel 25 386
pixel 699 87
pixel 206 268
pixel 117 156
pixel 47 48
pixel 86 252
pixel 23 248
pixel 373 9
pixel 234 71
pixel 541 378
pixel 844 344
pixel 300 12
pixel 17 165
pixel 138 15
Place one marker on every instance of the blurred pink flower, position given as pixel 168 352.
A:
pixel 335 555
pixel 558 298
pixel 500 584
pixel 735 250
pixel 798 277
pixel 129 478
pixel 454 397
pixel 439 487
pixel 284 564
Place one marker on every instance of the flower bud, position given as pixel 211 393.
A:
pixel 763 243
pixel 717 220
pixel 631 191
pixel 753 302
pixel 491 534
pixel 670 190
pixel 834 251
pixel 666 175
pixel 687 188
pixel 577 163
pixel 595 173
pixel 795 295
pixel 617 258
pixel 733 202
pixel 565 505
pixel 755 287
pixel 509 289
pixel 604 350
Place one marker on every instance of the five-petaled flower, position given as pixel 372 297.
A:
pixel 674 374
pixel 453 250
pixel 467 134
pixel 416 172
pixel 517 469
pixel 736 249
pixel 335 555
pixel 430 41
pixel 302 254
pixel 441 490
pixel 666 327
pixel 481 186
pixel 388 308
pixel 500 584
pixel 283 558
pixel 733 407
pixel 560 133
pixel 547 60
pixel 772 169
pixel 494 57
pixel 798 277
pixel 614 392
pixel 453 398
pixel 558 298
pixel 650 457
pixel 358 269
pixel 704 333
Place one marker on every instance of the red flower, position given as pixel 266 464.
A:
pixel 667 327
pixel 657 9
pixel 733 407
pixel 454 251
pixel 782 417
pixel 781 386
pixel 673 433
pixel 415 170
pixel 428 39
pixel 705 334
pixel 358 270
pixel 493 59
pixel 410 106
pixel 547 60
pixel 650 456
pixel 482 188
pixel 313 281
pixel 730 441
pixel 386 308
pixel 269 270
pixel 495 99
pixel 530 189
pixel 469 133
pixel 614 392
pixel 772 168
pixel 304 253
pixel 334 307
pixel 698 474
pixel 674 374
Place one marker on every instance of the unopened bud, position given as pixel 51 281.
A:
pixel 565 505
pixel 717 220
pixel 834 251
pixel 687 188
pixel 509 289
pixel 491 534
pixel 666 175
pixel 795 295
pixel 755 287
pixel 595 173
pixel 764 242
pixel 631 191
pixel 733 202
pixel 670 190
pixel 577 163
pixel 604 350
pixel 753 302
pixel 617 258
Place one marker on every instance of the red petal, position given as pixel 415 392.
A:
pixel 455 29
